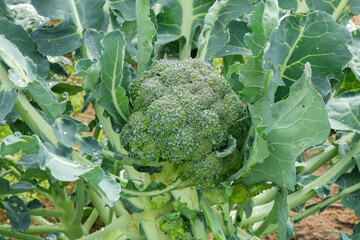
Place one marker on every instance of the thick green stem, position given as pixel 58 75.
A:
pixel 297 198
pixel 90 220
pixel 313 209
pixel 113 137
pixel 34 120
pixel 46 212
pixel 120 158
pixel 99 204
pixel 42 229
pixel 225 212
pixel 120 226
pixel 241 234
pixel 318 160
pixel 153 193
pixel 80 202
pixel 13 234
pixel 211 219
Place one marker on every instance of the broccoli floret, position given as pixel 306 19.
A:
pixel 183 113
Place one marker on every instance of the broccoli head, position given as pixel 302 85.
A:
pixel 184 112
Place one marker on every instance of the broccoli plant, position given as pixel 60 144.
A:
pixel 203 113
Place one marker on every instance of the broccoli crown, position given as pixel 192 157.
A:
pixel 183 111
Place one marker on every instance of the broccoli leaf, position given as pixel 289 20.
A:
pixel 288 129
pixel 112 95
pixel 146 34
pixel 303 38
pixel 344 112
pixel 68 19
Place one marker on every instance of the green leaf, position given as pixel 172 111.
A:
pixel 351 200
pixel 22 69
pixel 258 152
pixel 112 96
pixel 354 47
pixel 90 72
pixel 180 18
pixel 126 7
pixel 62 168
pixel 65 130
pixel 62 87
pixel 288 127
pixel 344 112
pixel 18 36
pixel 108 188
pixel 251 76
pixel 299 6
pixel 4 10
pixel 216 30
pixel 18 142
pixel 336 8
pixel 348 82
pixel 17 212
pixel 20 187
pixel 229 150
pixel 146 33
pixel 7 100
pixel 4 186
pixel 93 42
pixel 263 21
pixel 313 38
pixel 68 19
pixel 46 99
pixel 34 204
pixel 88 145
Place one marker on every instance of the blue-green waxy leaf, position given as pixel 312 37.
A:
pixel 90 72
pixel 20 187
pixel 73 17
pixel 17 142
pixel 344 112
pixel 93 42
pixel 146 33
pixel 336 8
pixel 62 168
pixel 354 47
pixel 229 150
pixel 4 186
pixel 180 19
pixel 7 100
pixel 126 7
pixel 46 99
pixel 263 21
pixel 259 151
pixel 88 145
pixel 299 6
pixel 4 10
pixel 313 38
pixel 251 76
pixel 288 128
pixel 17 212
pixel 351 200
pixel 216 30
pixel 34 204
pixel 108 188
pixel 112 96
pixel 22 70
pixel 65 130
pixel 18 36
